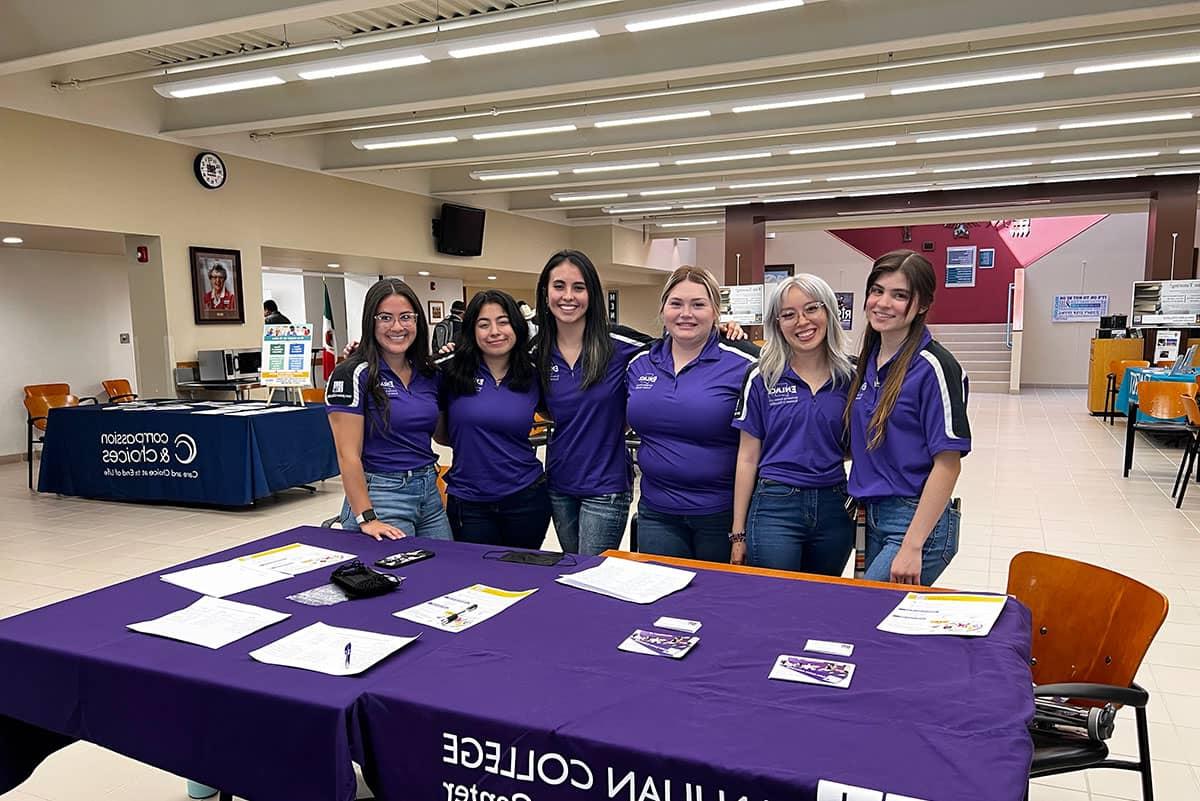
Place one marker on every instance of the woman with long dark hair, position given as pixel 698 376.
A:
pixel 496 486
pixel 383 409
pixel 908 426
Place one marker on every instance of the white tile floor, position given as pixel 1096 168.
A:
pixel 1044 475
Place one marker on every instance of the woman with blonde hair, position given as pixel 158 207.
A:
pixel 682 393
pixel 790 488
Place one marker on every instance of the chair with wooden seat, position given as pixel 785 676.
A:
pixel 1116 376
pixel 313 394
pixel 119 390
pixel 1091 630
pixel 1159 410
pixel 1188 462
pixel 541 430
pixel 39 400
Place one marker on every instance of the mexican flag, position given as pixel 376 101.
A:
pixel 329 348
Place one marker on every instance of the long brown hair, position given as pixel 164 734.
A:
pixel 922 282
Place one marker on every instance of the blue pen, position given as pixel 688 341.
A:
pixel 347 654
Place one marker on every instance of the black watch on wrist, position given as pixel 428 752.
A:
pixel 367 516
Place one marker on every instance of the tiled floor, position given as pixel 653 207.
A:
pixel 1043 475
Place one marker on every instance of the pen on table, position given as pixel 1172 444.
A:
pixel 453 616
pixel 348 654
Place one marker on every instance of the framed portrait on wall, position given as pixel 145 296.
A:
pixel 217 285
pixel 437 311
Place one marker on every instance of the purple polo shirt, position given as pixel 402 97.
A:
pixel 586 456
pixel 930 416
pixel 403 444
pixel 801 432
pixel 489 431
pixel 689 447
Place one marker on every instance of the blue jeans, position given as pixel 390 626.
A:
pixel 518 520
pixel 790 528
pixel 590 524
pixel 690 536
pixel 409 501
pixel 887 521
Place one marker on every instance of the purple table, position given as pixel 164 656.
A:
pixel 933 718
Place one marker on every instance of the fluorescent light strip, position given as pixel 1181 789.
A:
pixel 803 151
pixel 1189 151
pixel 796 198
pixel 1062 179
pixel 869 175
pixel 595 196
pixel 545 129
pixel 1140 63
pixel 682 115
pixel 636 209
pixel 502 176
pixel 809 101
pixel 683 191
pixel 1180 115
pixel 962 83
pixel 1109 157
pixel 996 166
pixel 715 204
pixel 688 224
pixel 765 154
pixel 1178 171
pixel 986 185
pixel 228 86
pixel 366 66
pixel 760 184
pixel 724 11
pixel 430 140
pixel 951 137
pixel 908 190
pixel 525 43
pixel 636 165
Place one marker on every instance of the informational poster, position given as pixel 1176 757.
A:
pixel 845 309
pixel 1166 345
pixel 960 265
pixel 1079 308
pixel 287 355
pixel 1158 303
pixel 742 304
pixel 987 258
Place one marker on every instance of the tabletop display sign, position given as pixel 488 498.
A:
pixel 987 258
pixel 1158 303
pixel 286 355
pixel 960 266
pixel 614 306
pixel 845 309
pixel 742 304
pixel 1079 308
pixel 1166 345
pixel 217 285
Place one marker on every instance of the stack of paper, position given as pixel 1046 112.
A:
pixel 296 558
pixel 944 613
pixel 461 610
pixel 224 578
pixel 638 582
pixel 331 649
pixel 211 622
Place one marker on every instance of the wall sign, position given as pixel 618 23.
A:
pixel 987 258
pixel 1079 308
pixel 1158 303
pixel 742 304
pixel 1166 345
pixel 286 355
pixel 614 305
pixel 960 266
pixel 845 309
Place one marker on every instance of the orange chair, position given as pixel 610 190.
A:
pixel 313 394
pixel 1116 376
pixel 1162 402
pixel 542 428
pixel 1189 453
pixel 47 389
pixel 118 390
pixel 442 470
pixel 37 413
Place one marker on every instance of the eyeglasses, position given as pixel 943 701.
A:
pixel 407 318
pixel 809 310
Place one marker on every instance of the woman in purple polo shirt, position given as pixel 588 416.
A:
pixel 682 394
pixel 496 487
pixel 908 426
pixel 383 409
pixel 793 516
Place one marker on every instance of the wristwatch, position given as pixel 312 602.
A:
pixel 367 516
pixel 737 536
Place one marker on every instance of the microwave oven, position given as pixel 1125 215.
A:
pixel 237 364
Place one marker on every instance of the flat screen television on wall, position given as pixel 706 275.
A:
pixel 459 231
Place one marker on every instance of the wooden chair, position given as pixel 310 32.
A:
pixel 542 428
pixel 118 390
pixel 313 394
pixel 39 400
pixel 1091 630
pixel 1116 376
pixel 47 389
pixel 1189 453
pixel 1162 402
pixel 442 470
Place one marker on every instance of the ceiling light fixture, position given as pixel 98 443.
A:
pixel 524 43
pixel 508 134
pixel 1140 63
pixel 333 265
pixel 636 165
pixel 984 185
pixel 13 240
pixel 999 165
pixel 906 190
pixel 571 197
pixel 796 198
pixel 1062 179
pixel 803 151
pixel 962 83
pixel 680 115
pixel 491 278
pixel 1179 115
pixel 681 191
pixel 714 204
pixel 423 273
pixel 635 209
pixel 1145 154
pixel 951 137
pixel 1189 151
pixel 871 175
pixel 369 65
pixel 761 184
pixel 688 224
pixel 805 101
pixel 1178 171
pixel 387 144
pixel 716 11
pixel 503 176
pixel 763 154
pixel 218 87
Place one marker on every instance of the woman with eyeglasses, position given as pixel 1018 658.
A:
pixel 383 409
pixel 908 426
pixel 790 486
pixel 496 486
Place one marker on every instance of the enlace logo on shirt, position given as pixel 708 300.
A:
pixel 554 372
pixel 645 382
pixel 861 390
pixel 782 394
pixel 478 385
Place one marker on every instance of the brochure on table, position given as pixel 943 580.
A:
pixel 287 355
pixel 333 650
pixel 958 614
pixel 211 622
pixel 458 611
pixel 627 580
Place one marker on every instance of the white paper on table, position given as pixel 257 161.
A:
pixel 268 410
pixel 211 622
pixel 638 582
pixel 296 558
pixel 959 614
pixel 463 609
pixel 331 649
pixel 223 578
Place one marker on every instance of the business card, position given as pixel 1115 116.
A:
pixel 657 643
pixel 807 670
pixel 829 647
pixel 678 624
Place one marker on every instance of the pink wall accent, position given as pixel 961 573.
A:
pixel 987 301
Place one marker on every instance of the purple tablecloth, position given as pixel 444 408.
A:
pixel 934 718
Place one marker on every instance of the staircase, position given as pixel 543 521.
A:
pixel 981 350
